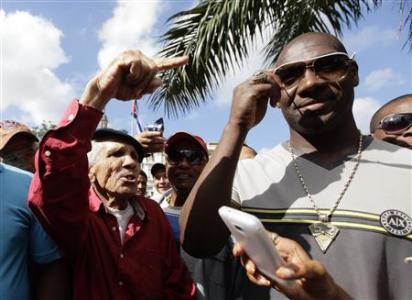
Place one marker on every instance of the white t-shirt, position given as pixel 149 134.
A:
pixel 366 258
pixel 122 217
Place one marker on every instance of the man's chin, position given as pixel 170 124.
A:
pixel 313 123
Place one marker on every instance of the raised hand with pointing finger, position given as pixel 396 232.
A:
pixel 129 76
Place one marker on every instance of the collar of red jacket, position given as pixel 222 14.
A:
pixel 138 206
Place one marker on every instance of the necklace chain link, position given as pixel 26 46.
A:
pixel 326 217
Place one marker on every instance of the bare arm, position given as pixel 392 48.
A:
pixel 202 231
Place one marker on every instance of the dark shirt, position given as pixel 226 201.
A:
pixel 146 266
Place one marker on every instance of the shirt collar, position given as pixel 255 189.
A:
pixel 95 204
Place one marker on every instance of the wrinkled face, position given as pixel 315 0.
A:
pixel 115 171
pixel 403 138
pixel 182 171
pixel 315 105
pixel 160 181
pixel 20 152
pixel 141 185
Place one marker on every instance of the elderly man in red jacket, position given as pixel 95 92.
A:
pixel 120 244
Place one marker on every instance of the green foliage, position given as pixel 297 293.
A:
pixel 45 126
pixel 216 34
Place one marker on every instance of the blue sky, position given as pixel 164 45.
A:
pixel 49 49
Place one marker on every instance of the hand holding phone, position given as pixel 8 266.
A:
pixel 252 236
pixel 158 126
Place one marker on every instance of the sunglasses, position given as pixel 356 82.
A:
pixel 194 157
pixel 396 123
pixel 333 66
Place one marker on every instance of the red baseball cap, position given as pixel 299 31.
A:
pixel 9 129
pixel 183 135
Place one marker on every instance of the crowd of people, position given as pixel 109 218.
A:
pixel 77 221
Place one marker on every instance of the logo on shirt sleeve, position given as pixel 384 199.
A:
pixel 396 222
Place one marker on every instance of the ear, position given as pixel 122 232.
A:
pixel 92 176
pixel 275 96
pixel 353 73
pixel 282 97
pixel 274 103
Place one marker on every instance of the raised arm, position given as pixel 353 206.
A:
pixel 202 231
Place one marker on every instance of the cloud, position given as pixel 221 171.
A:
pixel 130 27
pixel 382 78
pixel 253 63
pixel 368 37
pixel 31 51
pixel 363 109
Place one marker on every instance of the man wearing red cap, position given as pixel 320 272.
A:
pixel 186 157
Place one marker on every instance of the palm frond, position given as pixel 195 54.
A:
pixel 315 16
pixel 405 6
pixel 216 34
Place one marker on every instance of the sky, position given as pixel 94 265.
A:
pixel 50 49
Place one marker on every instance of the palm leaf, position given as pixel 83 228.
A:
pixel 216 34
pixel 406 7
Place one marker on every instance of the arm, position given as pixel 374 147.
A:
pixel 312 281
pixel 58 193
pixel 50 273
pixel 214 186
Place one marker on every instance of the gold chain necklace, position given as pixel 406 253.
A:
pixel 324 231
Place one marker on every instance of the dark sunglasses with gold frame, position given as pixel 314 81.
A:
pixel 332 66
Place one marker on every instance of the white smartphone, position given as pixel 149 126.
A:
pixel 252 236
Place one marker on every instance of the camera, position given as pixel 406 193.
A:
pixel 158 125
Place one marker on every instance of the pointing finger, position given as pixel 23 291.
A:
pixel 167 63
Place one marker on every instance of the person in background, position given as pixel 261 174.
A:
pixel 141 183
pixel 392 122
pixel 23 242
pixel 338 201
pixel 161 184
pixel 186 156
pixel 18 145
pixel 121 245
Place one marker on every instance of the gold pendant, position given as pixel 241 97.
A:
pixel 324 234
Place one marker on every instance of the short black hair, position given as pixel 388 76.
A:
pixel 143 173
pixel 157 167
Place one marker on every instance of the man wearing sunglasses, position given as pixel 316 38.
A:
pixel 393 122
pixel 344 198
pixel 186 156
